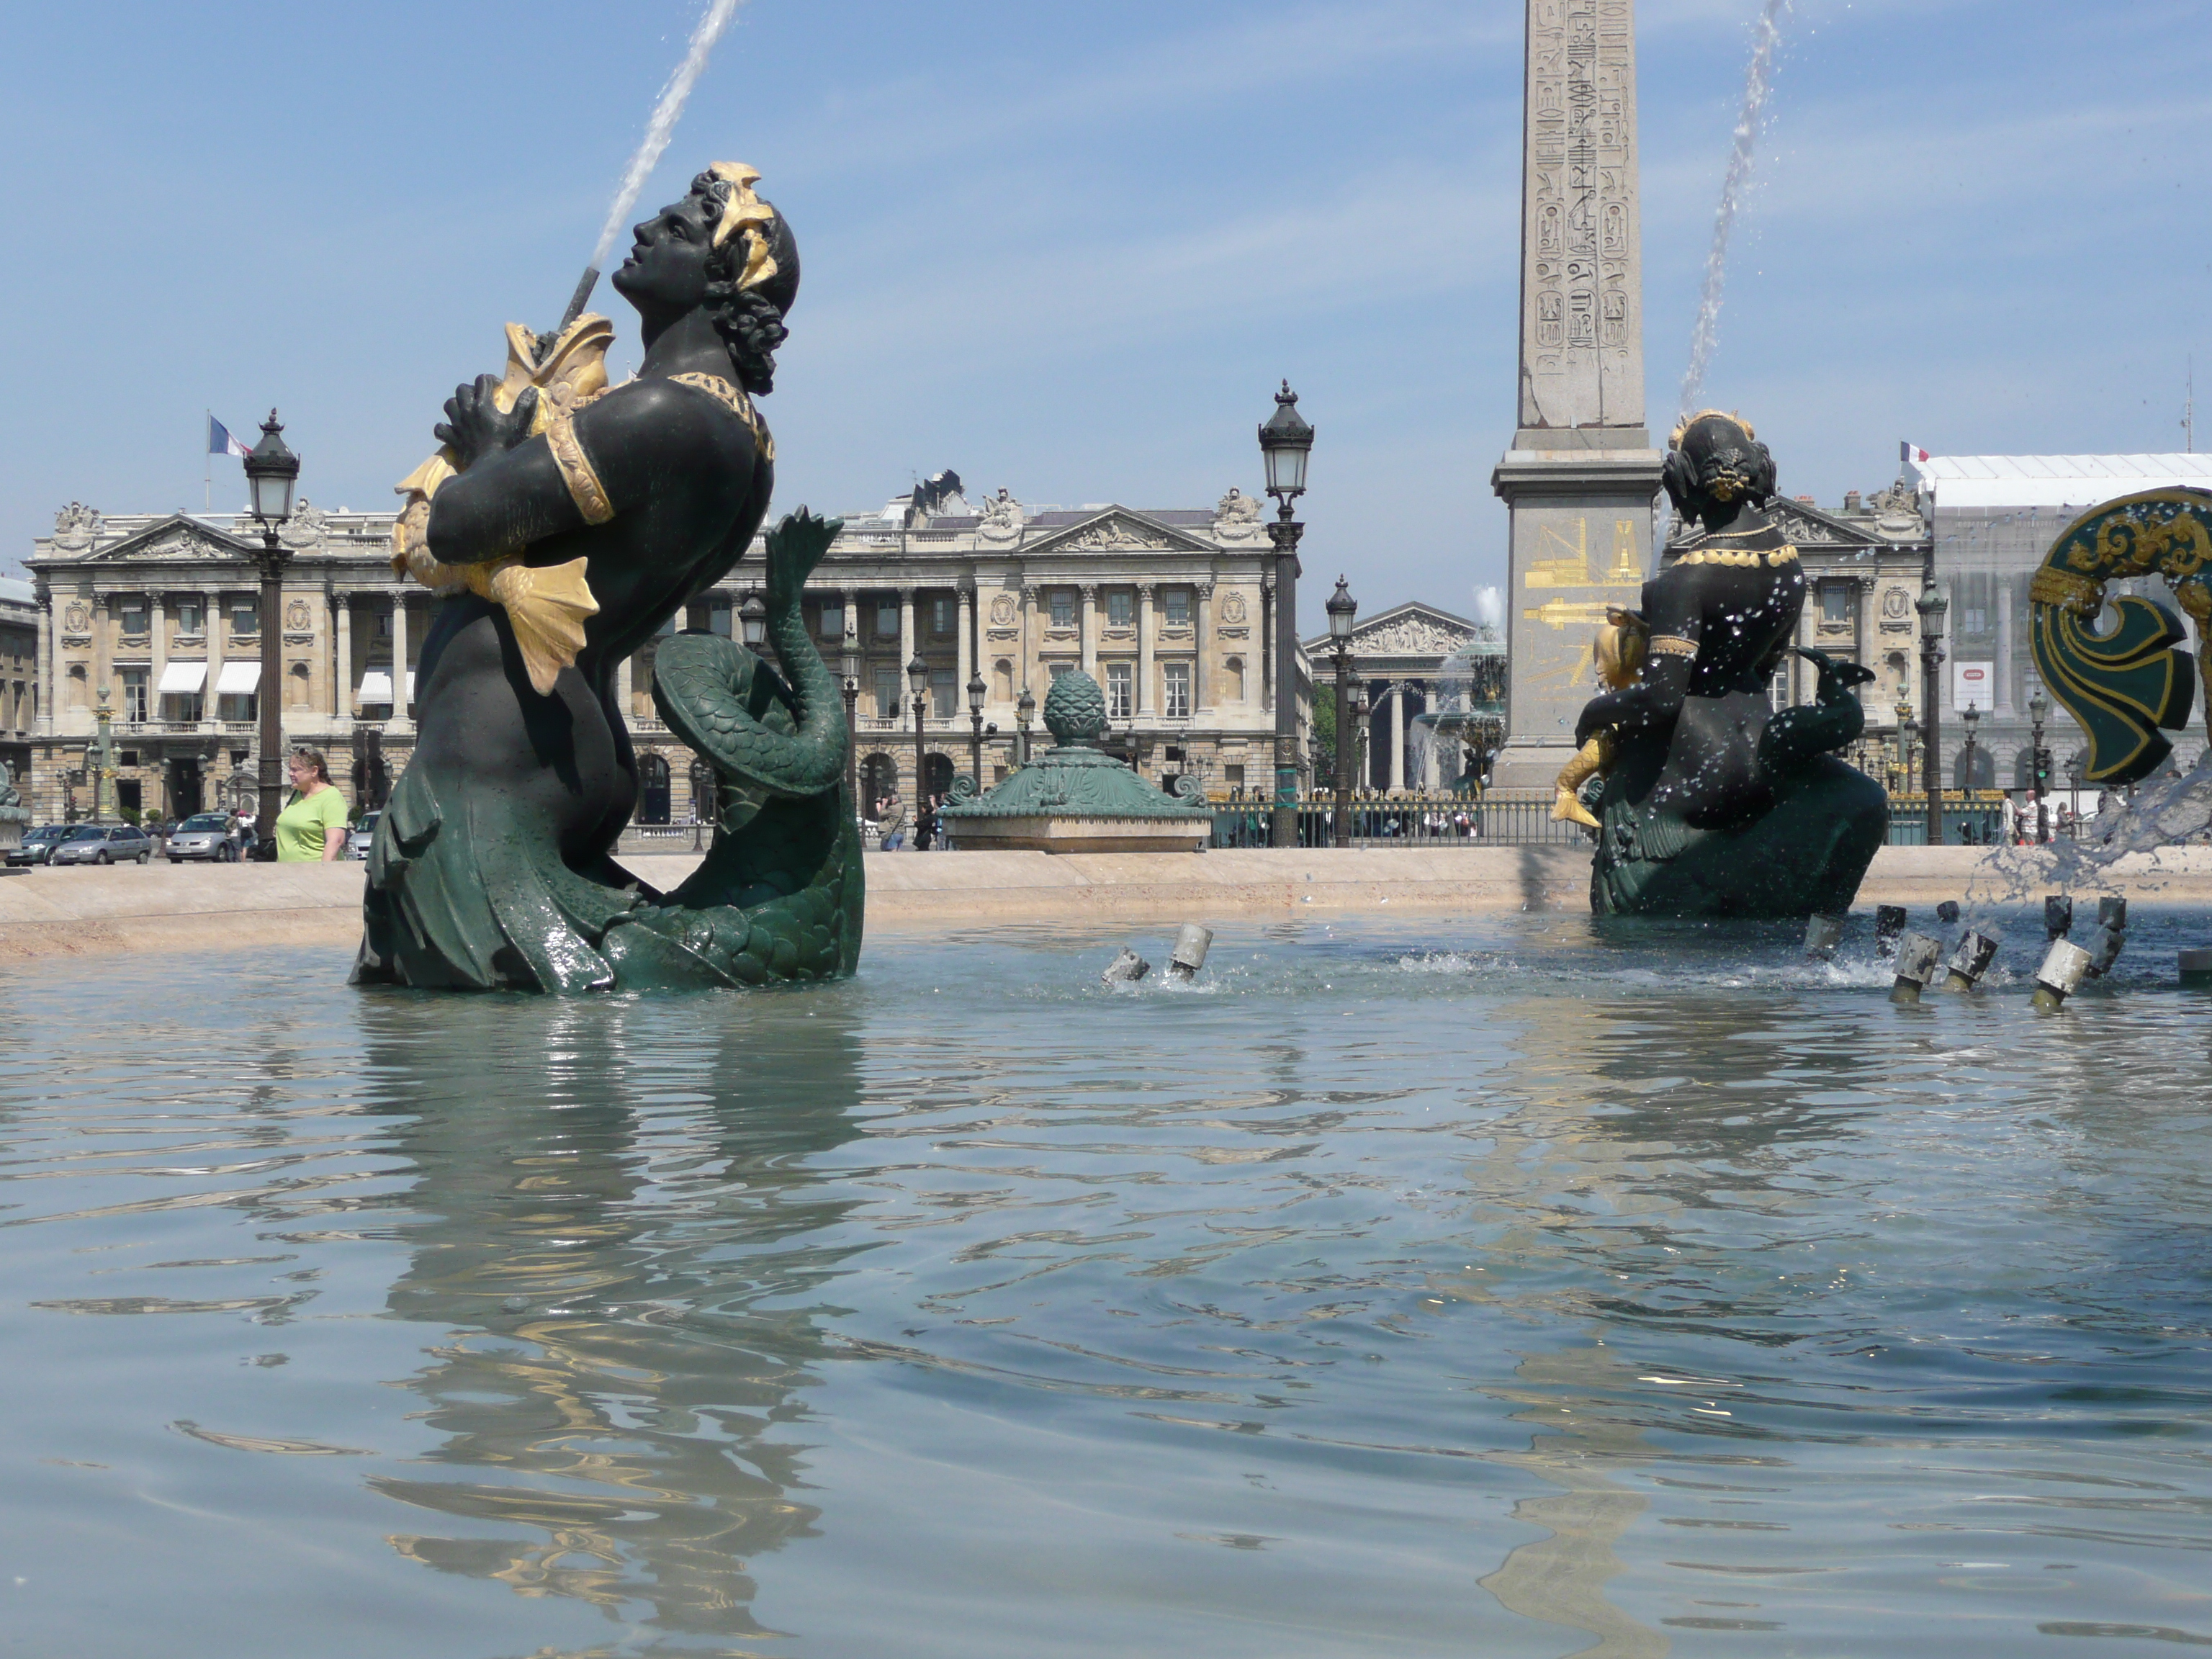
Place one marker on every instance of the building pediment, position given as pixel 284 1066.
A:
pixel 177 537
pixel 1413 630
pixel 1117 529
pixel 1805 526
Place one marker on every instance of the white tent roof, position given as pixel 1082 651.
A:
pixel 376 685
pixel 181 678
pixel 238 678
pixel 2081 481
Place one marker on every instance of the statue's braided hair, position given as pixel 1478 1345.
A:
pixel 753 272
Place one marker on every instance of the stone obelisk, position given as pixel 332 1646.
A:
pixel 1580 477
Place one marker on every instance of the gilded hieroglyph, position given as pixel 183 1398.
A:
pixel 1577 563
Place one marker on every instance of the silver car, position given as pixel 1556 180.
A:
pixel 37 844
pixel 359 839
pixel 103 843
pixel 209 835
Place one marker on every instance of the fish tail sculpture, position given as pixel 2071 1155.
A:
pixel 1834 719
pixel 2129 685
pixel 779 894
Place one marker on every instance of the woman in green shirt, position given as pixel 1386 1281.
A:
pixel 312 824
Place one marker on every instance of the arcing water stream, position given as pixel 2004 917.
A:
pixel 666 114
pixel 1758 87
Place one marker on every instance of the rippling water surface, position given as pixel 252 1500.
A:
pixel 1509 1286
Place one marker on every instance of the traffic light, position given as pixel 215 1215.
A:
pixel 2043 768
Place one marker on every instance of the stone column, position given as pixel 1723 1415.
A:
pixel 157 621
pixel 400 710
pixel 1087 628
pixel 1267 647
pixel 46 654
pixel 1029 651
pixel 1201 687
pixel 342 703
pixel 1145 704
pixel 2002 695
pixel 1398 737
pixel 212 628
pixel 966 627
pixel 906 644
pixel 103 651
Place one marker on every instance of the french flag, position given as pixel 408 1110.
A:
pixel 220 443
pixel 1911 453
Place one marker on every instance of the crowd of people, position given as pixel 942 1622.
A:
pixel 897 830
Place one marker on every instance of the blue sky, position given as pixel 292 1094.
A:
pixel 1071 248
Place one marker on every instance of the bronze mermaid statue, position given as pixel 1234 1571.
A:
pixel 1708 801
pixel 565 522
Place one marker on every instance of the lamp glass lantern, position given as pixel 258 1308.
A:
pixel 1285 441
pixel 850 665
pixel 2038 707
pixel 1343 611
pixel 976 691
pixel 271 471
pixel 1932 608
pixel 1024 708
pixel 917 674
pixel 753 621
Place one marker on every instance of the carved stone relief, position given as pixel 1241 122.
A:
pixel 1232 607
pixel 1236 518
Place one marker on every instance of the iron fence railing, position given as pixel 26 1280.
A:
pixel 1495 817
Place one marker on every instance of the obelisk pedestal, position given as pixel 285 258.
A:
pixel 1581 476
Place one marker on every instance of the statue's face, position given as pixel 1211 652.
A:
pixel 666 272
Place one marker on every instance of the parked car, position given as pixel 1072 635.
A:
pixel 37 844
pixel 358 840
pixel 210 835
pixel 102 843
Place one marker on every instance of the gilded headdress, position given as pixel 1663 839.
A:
pixel 744 214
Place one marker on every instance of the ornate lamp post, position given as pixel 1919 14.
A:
pixel 2038 765
pixel 977 692
pixel 917 677
pixel 1932 607
pixel 271 471
pixel 1025 711
pixel 1907 729
pixel 99 760
pixel 851 667
pixel 1972 716
pixel 1343 611
pixel 1285 441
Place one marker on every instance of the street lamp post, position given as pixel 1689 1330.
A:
pixel 702 799
pixel 271 471
pixel 2039 710
pixel 1025 711
pixel 1971 716
pixel 1343 611
pixel 851 665
pixel 977 692
pixel 1285 441
pixel 917 678
pixel 1908 728
pixel 1932 607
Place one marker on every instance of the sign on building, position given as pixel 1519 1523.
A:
pixel 1974 685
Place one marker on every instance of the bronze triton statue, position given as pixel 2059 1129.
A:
pixel 1708 801
pixel 565 521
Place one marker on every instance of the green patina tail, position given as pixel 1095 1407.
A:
pixel 780 893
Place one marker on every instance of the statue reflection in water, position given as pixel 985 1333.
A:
pixel 628 1282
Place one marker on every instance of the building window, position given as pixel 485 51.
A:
pixel 1063 607
pixel 718 617
pixel 887 694
pixel 243 706
pixel 652 788
pixel 245 616
pixel 1974 619
pixel 1233 777
pixel 1120 604
pixel 132 615
pixel 192 617
pixel 1056 669
pixel 1835 602
pixel 1176 677
pixel 833 622
pixel 940 615
pixel 1117 690
pixel 130 798
pixel 1176 602
pixel 134 693
pixel 887 616
pixel 185 707
pixel 943 693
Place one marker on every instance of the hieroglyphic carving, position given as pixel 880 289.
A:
pixel 1582 325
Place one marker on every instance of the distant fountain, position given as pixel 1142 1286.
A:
pixel 1758 88
pixel 1467 714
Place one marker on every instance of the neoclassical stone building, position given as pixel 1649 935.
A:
pixel 18 674
pixel 1171 611
pixel 1436 690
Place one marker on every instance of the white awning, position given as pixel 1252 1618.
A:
pixel 376 686
pixel 182 678
pixel 238 679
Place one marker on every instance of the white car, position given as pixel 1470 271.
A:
pixel 363 834
pixel 210 835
